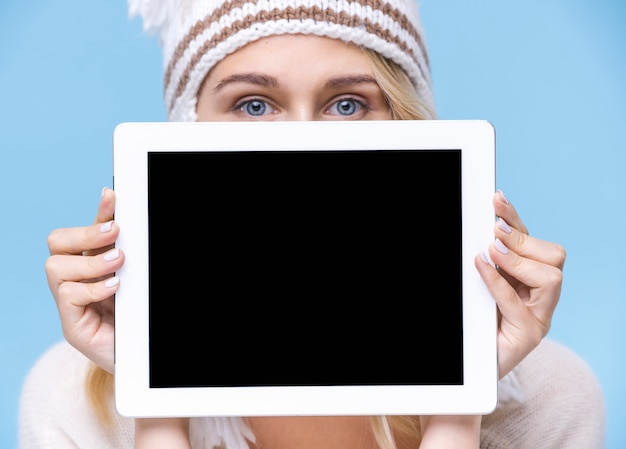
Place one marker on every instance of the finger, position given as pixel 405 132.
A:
pixel 532 273
pixel 509 303
pixel 106 207
pixel 519 330
pixel 530 247
pixel 77 240
pixel 104 216
pixel 87 318
pixel 543 281
pixel 503 208
pixel 62 268
pixel 73 297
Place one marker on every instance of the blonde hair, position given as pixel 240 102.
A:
pixel 390 432
pixel 99 388
pixel 403 100
pixel 393 432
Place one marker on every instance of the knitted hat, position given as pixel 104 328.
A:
pixel 197 34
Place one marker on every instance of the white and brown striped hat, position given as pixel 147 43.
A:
pixel 197 34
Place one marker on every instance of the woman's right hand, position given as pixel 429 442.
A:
pixel 81 276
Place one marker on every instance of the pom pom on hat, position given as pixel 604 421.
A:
pixel 197 34
pixel 155 14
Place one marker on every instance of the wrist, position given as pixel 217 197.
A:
pixel 457 432
pixel 157 433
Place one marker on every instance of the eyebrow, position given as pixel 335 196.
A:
pixel 348 81
pixel 270 81
pixel 250 78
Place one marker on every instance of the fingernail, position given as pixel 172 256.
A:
pixel 504 225
pixel 485 258
pixel 503 197
pixel 106 227
pixel 500 247
pixel 104 189
pixel 112 255
pixel 112 282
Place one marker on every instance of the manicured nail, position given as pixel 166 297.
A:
pixel 485 258
pixel 112 282
pixel 504 225
pixel 112 255
pixel 500 247
pixel 503 197
pixel 106 227
pixel 104 189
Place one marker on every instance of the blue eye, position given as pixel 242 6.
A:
pixel 254 107
pixel 346 107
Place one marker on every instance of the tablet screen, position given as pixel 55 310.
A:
pixel 305 268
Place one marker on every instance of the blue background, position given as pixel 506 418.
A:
pixel 550 75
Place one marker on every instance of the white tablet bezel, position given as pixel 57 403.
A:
pixel 134 397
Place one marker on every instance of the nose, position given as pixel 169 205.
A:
pixel 301 112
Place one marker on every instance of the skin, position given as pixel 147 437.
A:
pixel 298 78
pixel 289 76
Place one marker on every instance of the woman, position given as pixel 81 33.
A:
pixel 304 60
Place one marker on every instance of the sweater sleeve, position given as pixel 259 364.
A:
pixel 55 412
pixel 560 405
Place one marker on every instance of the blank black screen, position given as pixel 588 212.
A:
pixel 281 268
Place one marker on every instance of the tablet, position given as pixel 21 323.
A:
pixel 304 268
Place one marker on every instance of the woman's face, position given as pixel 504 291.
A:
pixel 292 77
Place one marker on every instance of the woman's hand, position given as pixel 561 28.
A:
pixel 450 432
pixel 526 285
pixel 81 276
pixel 155 433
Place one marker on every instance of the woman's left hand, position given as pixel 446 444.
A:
pixel 526 285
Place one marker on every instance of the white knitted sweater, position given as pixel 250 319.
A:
pixel 551 400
